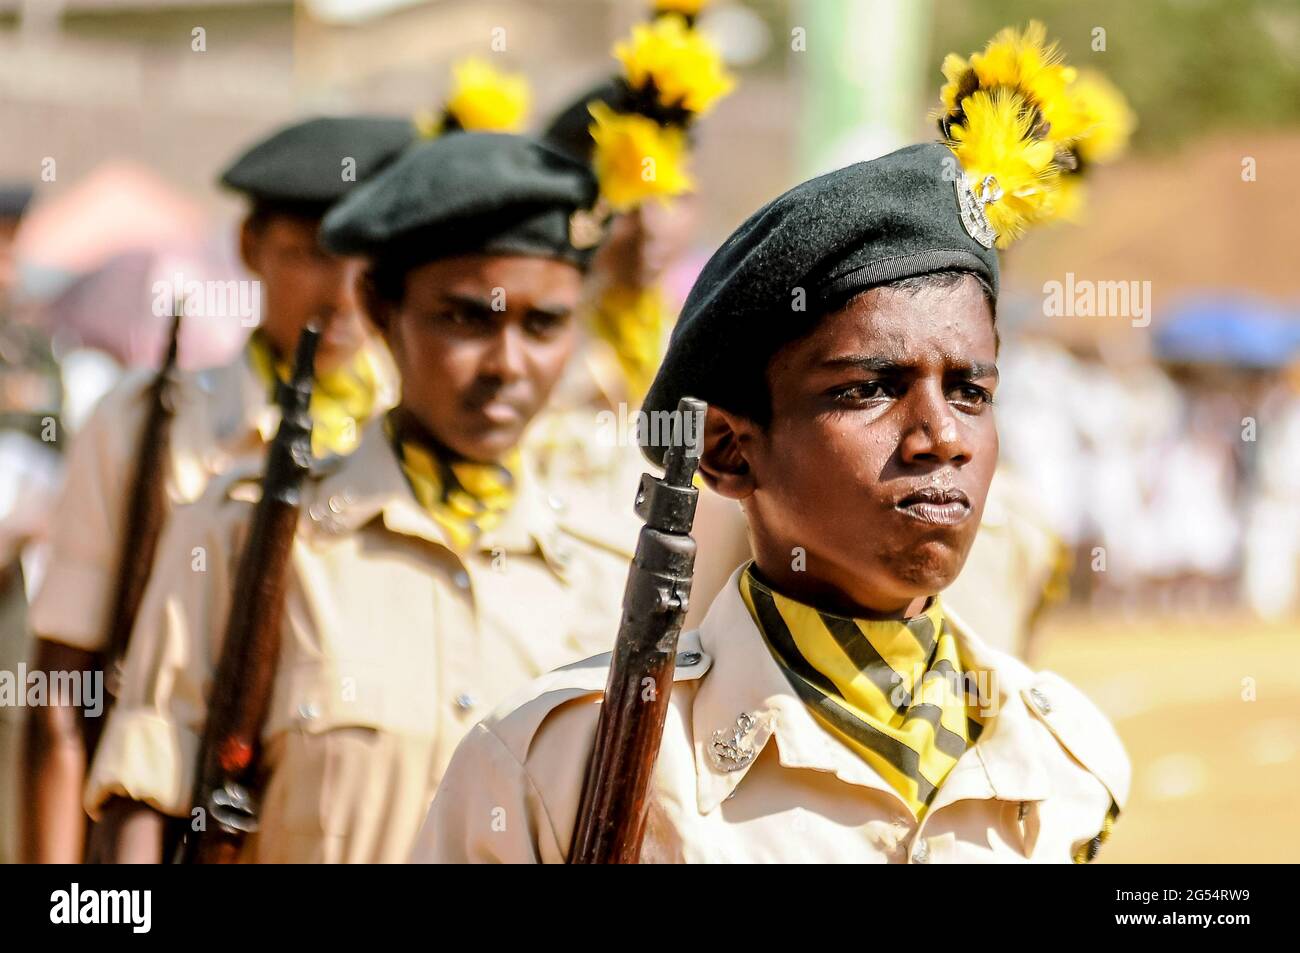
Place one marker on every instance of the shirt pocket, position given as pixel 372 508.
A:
pixel 396 695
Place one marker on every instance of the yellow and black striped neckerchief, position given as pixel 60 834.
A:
pixel 464 497
pixel 860 678
pixel 341 401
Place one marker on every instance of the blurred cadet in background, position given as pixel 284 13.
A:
pixel 586 440
pixel 431 576
pixel 30 401
pixel 222 414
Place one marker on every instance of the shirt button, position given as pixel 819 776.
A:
pixel 308 711
pixel 461 579
pixel 555 503
pixel 336 504
pixel 1041 700
pixel 464 702
pixel 921 853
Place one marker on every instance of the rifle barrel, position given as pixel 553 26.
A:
pixel 146 511
pixel 245 676
pixel 612 811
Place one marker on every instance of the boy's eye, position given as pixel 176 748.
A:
pixel 459 318
pixel 544 325
pixel 972 394
pixel 865 391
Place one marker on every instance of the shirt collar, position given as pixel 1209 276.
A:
pixel 235 402
pixel 242 405
pixel 369 483
pixel 1006 763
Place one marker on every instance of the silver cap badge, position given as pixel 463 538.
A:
pixel 972 203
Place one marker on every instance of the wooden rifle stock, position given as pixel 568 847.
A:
pixel 146 511
pixel 612 811
pixel 241 689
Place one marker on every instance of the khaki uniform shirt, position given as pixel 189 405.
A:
pixel 579 450
pixel 222 416
pixel 1036 786
pixel 393 646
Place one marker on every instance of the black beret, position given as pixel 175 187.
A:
pixel 301 168
pixel 817 245
pixel 468 192
pixel 14 199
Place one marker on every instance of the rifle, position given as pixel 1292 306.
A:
pixel 146 511
pixel 241 689
pixel 612 811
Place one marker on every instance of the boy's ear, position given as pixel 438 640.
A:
pixel 249 240
pixel 722 462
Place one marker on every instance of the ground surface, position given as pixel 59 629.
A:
pixel 1216 776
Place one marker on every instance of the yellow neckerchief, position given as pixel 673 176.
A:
pixel 631 321
pixel 860 678
pixel 465 498
pixel 341 401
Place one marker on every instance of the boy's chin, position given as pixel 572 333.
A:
pixel 490 445
pixel 931 575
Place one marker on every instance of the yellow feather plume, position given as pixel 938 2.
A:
pixel 1022 61
pixel 636 158
pixel 996 142
pixel 1067 200
pixel 1106 118
pixel 1105 124
pixel 685 69
pixel 1022 123
pixel 482 99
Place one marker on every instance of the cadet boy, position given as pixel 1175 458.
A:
pixel 222 414
pixel 430 577
pixel 830 708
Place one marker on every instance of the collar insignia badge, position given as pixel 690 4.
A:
pixel 736 747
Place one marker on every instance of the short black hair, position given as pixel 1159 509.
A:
pixel 760 408
pixel 262 211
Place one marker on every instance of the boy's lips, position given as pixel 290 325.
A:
pixel 498 409
pixel 500 412
pixel 938 507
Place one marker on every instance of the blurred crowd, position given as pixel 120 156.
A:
pixel 1173 483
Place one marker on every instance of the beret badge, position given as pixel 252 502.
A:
pixel 587 226
pixel 971 202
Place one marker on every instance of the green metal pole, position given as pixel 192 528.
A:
pixel 866 83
